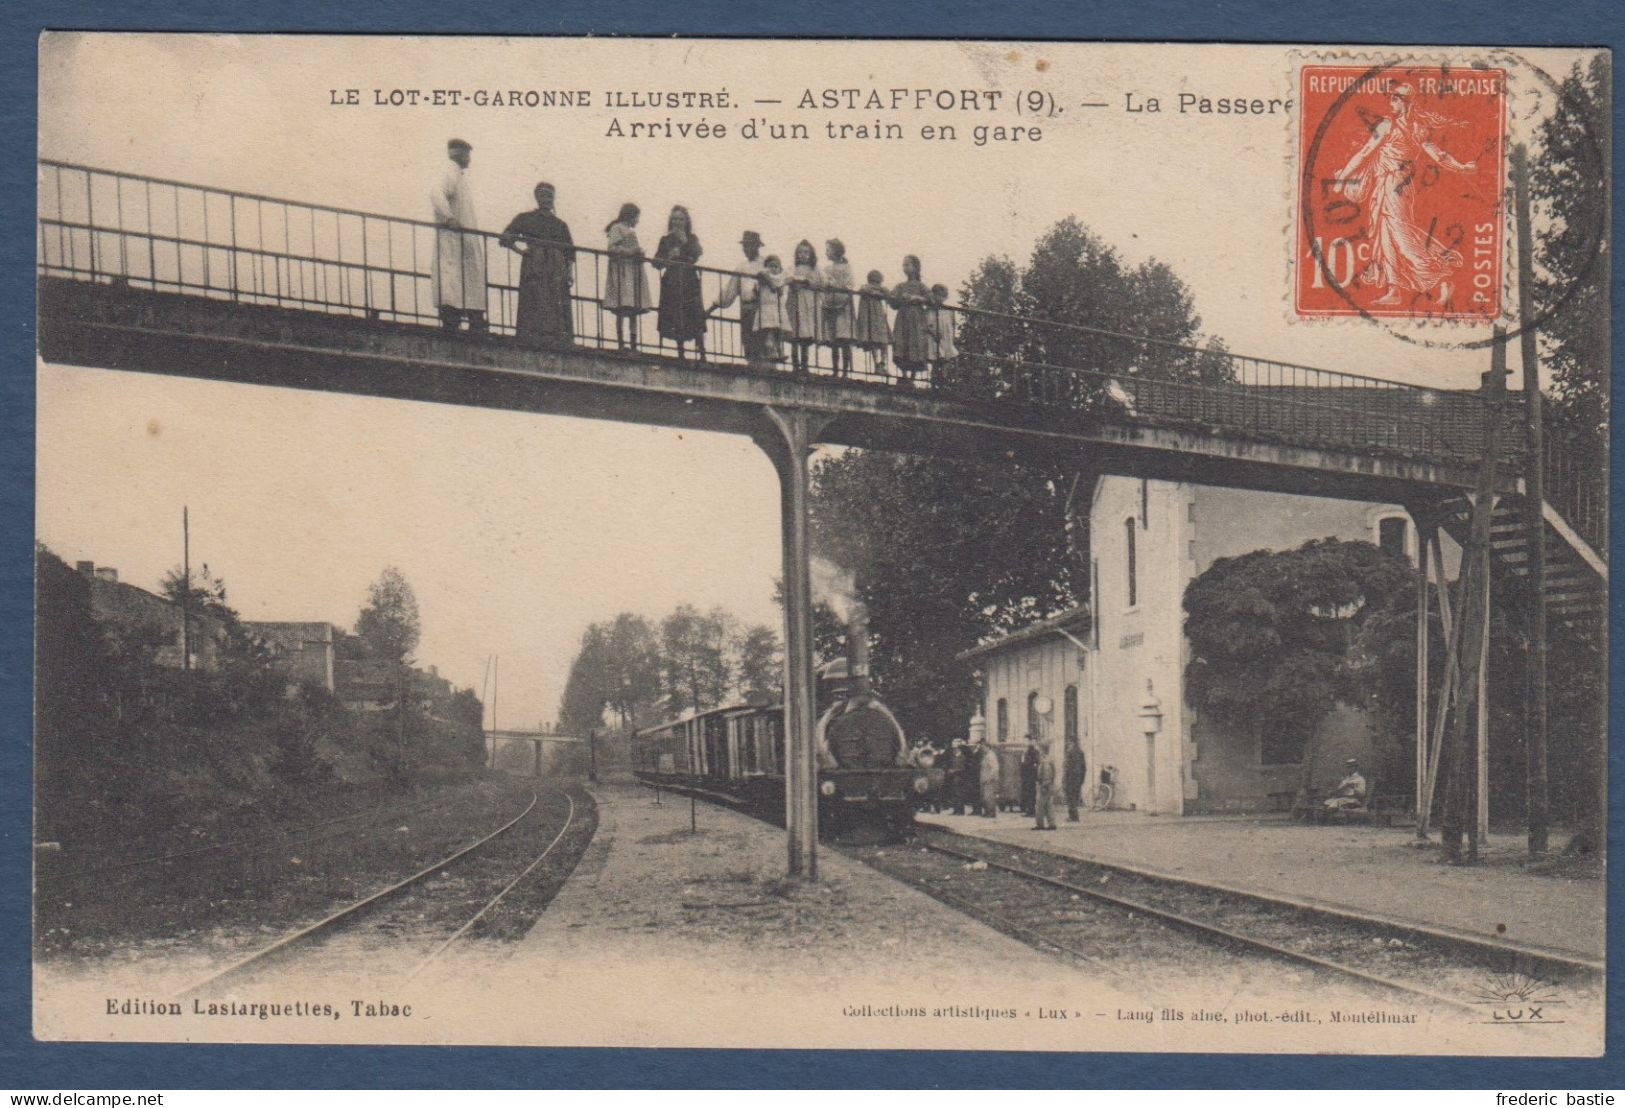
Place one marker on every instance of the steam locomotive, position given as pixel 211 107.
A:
pixel 736 754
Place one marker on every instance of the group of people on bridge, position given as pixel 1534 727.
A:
pixel 784 310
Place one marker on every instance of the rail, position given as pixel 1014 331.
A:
pixel 176 237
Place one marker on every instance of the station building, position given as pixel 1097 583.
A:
pixel 1114 670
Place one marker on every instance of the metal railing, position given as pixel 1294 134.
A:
pixel 1576 477
pixel 176 237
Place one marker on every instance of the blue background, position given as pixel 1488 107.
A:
pixel 30 1066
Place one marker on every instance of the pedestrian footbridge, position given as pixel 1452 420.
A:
pixel 159 276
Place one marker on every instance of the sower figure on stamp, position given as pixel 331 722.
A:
pixel 459 250
pixel 746 286
pixel 546 274
pixel 1383 175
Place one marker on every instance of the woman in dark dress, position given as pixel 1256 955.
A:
pixel 682 310
pixel 546 274
pixel 911 333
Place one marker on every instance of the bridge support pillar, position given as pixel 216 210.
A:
pixel 788 439
pixel 1427 534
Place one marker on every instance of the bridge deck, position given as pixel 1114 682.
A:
pixel 115 326
pixel 170 277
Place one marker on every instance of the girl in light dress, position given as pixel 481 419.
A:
pixel 801 306
pixel 911 336
pixel 770 315
pixel 626 288
pixel 835 307
pixel 942 321
pixel 871 332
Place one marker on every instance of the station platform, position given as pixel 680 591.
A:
pixel 695 938
pixel 670 936
pixel 1371 871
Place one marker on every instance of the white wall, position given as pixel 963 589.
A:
pixel 1140 643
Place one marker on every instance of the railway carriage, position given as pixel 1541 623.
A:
pixel 736 754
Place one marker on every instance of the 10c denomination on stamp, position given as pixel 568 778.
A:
pixel 1400 174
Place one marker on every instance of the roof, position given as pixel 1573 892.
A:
pixel 1073 620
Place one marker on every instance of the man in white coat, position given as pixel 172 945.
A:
pixel 459 258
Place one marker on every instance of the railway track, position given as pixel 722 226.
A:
pixel 1098 915
pixel 411 921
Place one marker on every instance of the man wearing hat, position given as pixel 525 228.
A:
pixel 546 274
pixel 745 286
pixel 1351 790
pixel 459 255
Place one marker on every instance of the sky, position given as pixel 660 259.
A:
pixel 517 530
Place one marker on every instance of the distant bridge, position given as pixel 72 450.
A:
pixel 168 277
pixel 525 751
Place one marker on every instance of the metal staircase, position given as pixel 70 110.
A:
pixel 1576 587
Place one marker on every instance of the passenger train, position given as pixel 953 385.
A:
pixel 736 754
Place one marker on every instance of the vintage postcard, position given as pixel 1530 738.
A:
pixel 850 544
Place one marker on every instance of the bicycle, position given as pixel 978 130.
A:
pixel 1106 791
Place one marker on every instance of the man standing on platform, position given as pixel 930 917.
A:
pixel 746 286
pixel 1029 776
pixel 990 779
pixel 1073 777
pixel 459 250
pixel 1044 797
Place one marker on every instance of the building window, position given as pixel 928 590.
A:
pixel 1094 597
pixel 1069 703
pixel 1004 720
pixel 1133 581
pixel 1391 534
pixel 1145 503
pixel 1032 714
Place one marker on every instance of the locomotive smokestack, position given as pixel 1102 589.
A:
pixel 857 647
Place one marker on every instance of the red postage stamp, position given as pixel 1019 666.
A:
pixel 1400 183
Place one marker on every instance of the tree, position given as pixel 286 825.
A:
pixel 948 552
pixel 758 664
pixel 944 554
pixel 243 684
pixel 1081 306
pixel 631 669
pixel 467 716
pixel 389 623
pixel 1379 674
pixel 75 691
pixel 695 673
pixel 389 626
pixel 617 667
pixel 581 709
pixel 1269 633
pixel 1570 184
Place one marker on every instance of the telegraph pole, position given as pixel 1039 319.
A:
pixel 1534 500
pixel 490 734
pixel 186 592
pixel 1473 621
